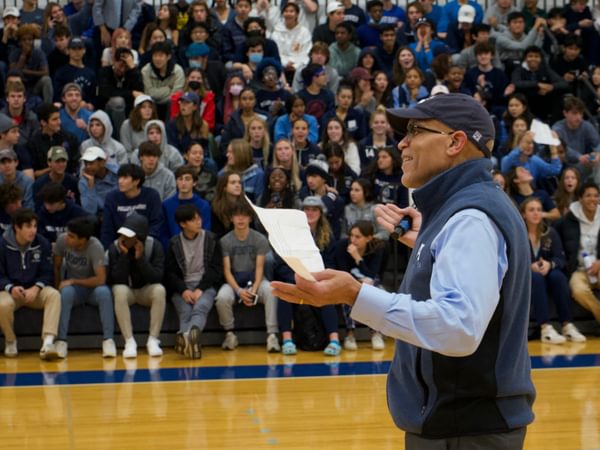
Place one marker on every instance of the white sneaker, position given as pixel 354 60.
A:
pixel 571 332
pixel 551 336
pixel 48 351
pixel 130 350
pixel 273 344
pixel 10 349
pixel 109 349
pixel 350 343
pixel 153 346
pixel 377 342
pixel 230 342
pixel 62 348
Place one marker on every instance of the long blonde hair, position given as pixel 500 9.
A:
pixel 266 140
pixel 295 180
pixel 242 155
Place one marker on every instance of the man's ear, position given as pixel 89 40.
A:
pixel 458 142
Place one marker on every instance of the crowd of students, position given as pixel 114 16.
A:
pixel 139 132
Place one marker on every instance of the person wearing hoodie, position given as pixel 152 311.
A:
pixel 56 211
pixel 194 271
pixel 136 266
pixel 294 40
pixel 170 156
pixel 542 86
pixel 132 132
pixel 579 231
pixel 162 77
pixel 131 196
pixel 26 280
pixel 158 177
pixel 100 129
pixel 16 109
pixel 270 95
pixel 97 179
pixel 10 136
pixel 80 274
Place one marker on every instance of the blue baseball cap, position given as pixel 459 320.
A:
pixel 197 49
pixel 457 111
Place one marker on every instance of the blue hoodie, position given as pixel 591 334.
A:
pixel 27 267
pixel 52 225
pixel 171 228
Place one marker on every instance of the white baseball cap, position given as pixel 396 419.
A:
pixel 11 11
pixel 334 6
pixel 466 14
pixel 141 99
pixel 91 154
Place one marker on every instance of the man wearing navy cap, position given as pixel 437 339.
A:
pixel 77 71
pixel 460 377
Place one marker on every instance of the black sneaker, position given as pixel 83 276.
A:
pixel 180 343
pixel 195 348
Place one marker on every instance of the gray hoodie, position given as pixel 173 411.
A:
pixel 170 156
pixel 115 151
pixel 163 181
pixel 589 232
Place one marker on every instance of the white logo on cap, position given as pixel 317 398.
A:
pixel 477 136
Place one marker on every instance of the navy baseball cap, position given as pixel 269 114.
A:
pixel 457 111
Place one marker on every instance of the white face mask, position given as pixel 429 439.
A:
pixel 235 89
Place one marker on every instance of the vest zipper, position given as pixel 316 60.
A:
pixel 422 382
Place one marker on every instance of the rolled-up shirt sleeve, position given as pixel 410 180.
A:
pixel 470 262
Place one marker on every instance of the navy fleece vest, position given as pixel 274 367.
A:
pixel 489 391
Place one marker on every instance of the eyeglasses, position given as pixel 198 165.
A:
pixel 412 129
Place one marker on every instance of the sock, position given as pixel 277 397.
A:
pixel 48 339
pixel 335 341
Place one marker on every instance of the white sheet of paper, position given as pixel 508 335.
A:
pixel 290 237
pixel 542 133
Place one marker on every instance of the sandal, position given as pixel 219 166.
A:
pixel 333 349
pixel 288 348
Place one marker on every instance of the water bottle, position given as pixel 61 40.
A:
pixel 588 260
pixel 254 296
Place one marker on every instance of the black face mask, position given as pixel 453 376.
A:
pixel 194 85
pixel 253 33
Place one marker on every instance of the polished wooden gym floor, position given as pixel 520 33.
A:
pixel 248 399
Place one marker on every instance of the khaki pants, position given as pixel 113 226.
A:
pixel 151 295
pixel 48 299
pixel 581 290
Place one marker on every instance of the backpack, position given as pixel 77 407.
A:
pixel 309 332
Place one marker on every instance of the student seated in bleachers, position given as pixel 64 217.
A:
pixel 26 280
pixel 194 267
pixel 96 180
pixel 581 137
pixel 169 155
pixel 362 207
pixel 11 200
pixel 257 135
pixel 132 132
pixel 17 110
pixel 228 192
pixel 541 85
pixel 547 262
pixel 194 156
pixel 188 124
pixel 135 271
pixel 315 210
pixel 340 172
pixel 520 187
pixel 73 117
pixel 569 64
pixel 285 157
pixel 186 179
pixel 157 176
pixel 80 275
pixel 579 232
pixel 100 129
pixel 244 252
pixel 57 163
pixel 360 254
pixel 130 196
pixel 566 192
pixel 524 156
pixel 385 174
pixel 278 191
pixel 10 175
pixel 335 132
pixel 56 211
pixel 240 160
pixel 353 118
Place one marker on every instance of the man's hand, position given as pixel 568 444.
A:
pixel 18 292
pixel 139 249
pixel 188 297
pixel 65 283
pixel 31 294
pixel 353 251
pixel 388 216
pixel 247 297
pixel 332 287
pixel 122 248
pixel 595 268
pixel 89 178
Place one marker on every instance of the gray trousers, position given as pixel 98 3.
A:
pixel 196 314
pixel 226 298
pixel 512 440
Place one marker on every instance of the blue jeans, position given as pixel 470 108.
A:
pixel 555 286
pixel 196 314
pixel 100 296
